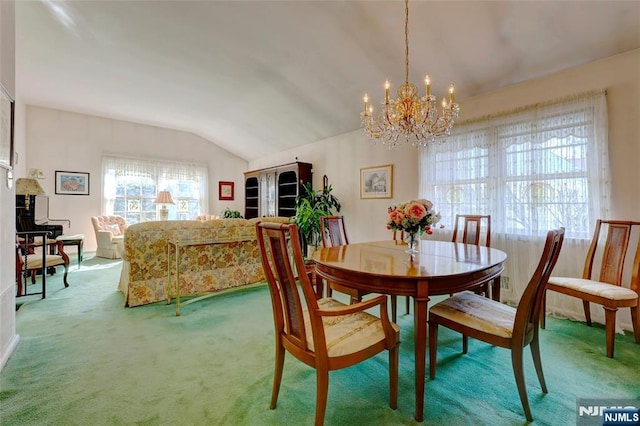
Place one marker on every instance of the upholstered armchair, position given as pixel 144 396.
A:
pixel 109 236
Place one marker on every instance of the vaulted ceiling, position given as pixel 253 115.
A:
pixel 257 77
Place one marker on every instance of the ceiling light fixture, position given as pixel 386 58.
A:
pixel 409 117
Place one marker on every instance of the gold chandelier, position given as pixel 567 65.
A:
pixel 409 117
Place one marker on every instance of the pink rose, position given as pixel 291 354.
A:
pixel 396 216
pixel 426 203
pixel 415 210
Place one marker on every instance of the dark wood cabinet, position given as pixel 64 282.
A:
pixel 272 191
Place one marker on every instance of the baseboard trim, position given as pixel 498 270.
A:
pixel 9 350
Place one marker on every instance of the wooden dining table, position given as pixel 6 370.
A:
pixel 438 268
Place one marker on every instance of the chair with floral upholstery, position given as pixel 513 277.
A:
pixel 109 235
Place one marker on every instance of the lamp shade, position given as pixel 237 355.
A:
pixel 28 186
pixel 164 197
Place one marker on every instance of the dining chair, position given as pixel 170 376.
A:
pixel 474 229
pixel 495 323
pixel 334 233
pixel 606 289
pixel 326 334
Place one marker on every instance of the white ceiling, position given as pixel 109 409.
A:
pixel 257 77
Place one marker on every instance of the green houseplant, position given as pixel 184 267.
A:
pixel 231 214
pixel 310 207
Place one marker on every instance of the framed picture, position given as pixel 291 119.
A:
pixel 225 190
pixel 7 106
pixel 376 182
pixel 72 183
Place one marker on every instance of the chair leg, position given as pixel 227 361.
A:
pixel 64 277
pixel 635 320
pixel 433 349
pixel 587 312
pixel 408 302
pixel 465 343
pixel 610 329
pixel 277 375
pixel 322 389
pixel 537 361
pixel 393 376
pixel 394 308
pixel 518 371
pixel 543 310
pixel 19 283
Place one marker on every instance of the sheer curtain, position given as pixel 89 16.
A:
pixel 532 169
pixel 130 186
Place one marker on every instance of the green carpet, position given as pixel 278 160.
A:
pixel 84 359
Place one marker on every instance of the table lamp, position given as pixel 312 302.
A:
pixel 27 187
pixel 164 198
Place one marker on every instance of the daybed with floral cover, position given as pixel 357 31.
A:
pixel 233 261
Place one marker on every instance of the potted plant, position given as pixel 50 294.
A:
pixel 310 207
pixel 231 214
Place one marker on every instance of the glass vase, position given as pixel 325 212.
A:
pixel 412 241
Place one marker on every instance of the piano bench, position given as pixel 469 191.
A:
pixel 73 240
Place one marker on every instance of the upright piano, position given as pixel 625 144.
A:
pixel 34 216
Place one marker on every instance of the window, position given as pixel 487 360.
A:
pixel 533 170
pixel 130 187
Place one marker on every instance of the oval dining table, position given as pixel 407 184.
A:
pixel 438 268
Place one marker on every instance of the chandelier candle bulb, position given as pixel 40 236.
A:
pixel 427 81
pixel 451 93
pixel 366 107
pixel 386 92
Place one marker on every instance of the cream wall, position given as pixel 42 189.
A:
pixel 342 157
pixel 60 140
pixel 8 337
pixel 620 76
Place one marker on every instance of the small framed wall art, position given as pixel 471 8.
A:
pixel 72 183
pixel 376 182
pixel 225 190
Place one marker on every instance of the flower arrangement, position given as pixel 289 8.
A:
pixel 414 217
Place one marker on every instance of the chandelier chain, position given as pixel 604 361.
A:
pixel 406 41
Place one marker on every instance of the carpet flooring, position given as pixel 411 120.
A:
pixel 84 359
